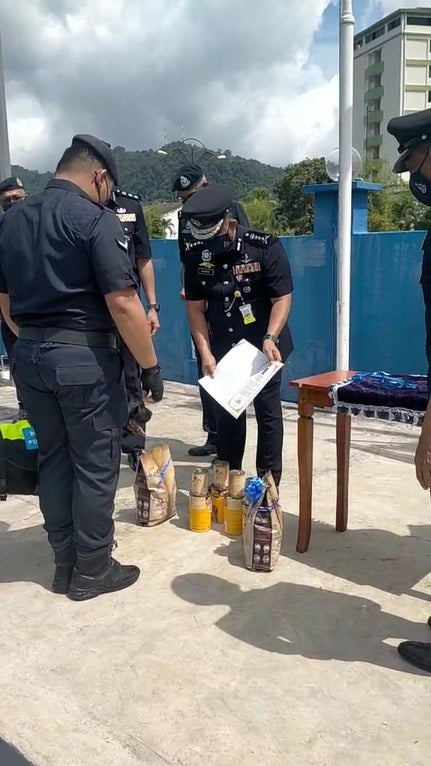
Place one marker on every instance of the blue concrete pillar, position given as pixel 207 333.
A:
pixel 326 206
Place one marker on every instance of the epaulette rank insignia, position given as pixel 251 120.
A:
pixel 128 195
pixel 257 237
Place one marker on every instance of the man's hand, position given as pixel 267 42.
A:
pixel 153 321
pixel 423 461
pixel 152 381
pixel 208 365
pixel 182 294
pixel 271 350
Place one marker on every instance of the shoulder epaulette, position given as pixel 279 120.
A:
pixel 128 195
pixel 255 237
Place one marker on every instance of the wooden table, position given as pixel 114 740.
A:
pixel 314 392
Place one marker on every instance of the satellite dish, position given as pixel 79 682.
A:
pixel 332 164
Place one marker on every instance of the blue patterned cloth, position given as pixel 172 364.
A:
pixel 398 398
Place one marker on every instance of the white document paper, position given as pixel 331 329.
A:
pixel 239 377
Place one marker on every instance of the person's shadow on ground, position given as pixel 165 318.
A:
pixel 25 555
pixel 293 619
pixel 375 557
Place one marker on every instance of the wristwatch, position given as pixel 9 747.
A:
pixel 271 337
pixel 155 306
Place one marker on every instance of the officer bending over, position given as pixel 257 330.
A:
pixel 188 180
pixel 238 282
pixel 65 269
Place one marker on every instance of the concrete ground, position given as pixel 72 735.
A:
pixel 203 663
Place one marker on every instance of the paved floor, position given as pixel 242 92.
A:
pixel 203 663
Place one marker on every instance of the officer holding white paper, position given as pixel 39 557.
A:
pixel 238 281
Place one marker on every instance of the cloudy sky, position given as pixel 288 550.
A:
pixel 257 77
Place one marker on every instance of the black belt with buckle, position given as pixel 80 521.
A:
pixel 71 337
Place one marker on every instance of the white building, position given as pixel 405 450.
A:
pixel 392 76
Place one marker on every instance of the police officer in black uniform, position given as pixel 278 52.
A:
pixel 128 209
pixel 238 281
pixel 188 180
pixel 66 285
pixel 11 191
pixel 413 133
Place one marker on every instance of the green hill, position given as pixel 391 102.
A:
pixel 150 174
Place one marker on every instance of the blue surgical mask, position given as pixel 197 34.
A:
pixel 420 188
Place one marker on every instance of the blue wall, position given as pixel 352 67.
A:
pixel 387 316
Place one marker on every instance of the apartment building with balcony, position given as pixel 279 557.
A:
pixel 392 76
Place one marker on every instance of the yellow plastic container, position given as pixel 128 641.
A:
pixel 199 514
pixel 218 499
pixel 233 516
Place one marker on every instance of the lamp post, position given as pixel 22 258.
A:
pixel 4 137
pixel 195 150
pixel 347 23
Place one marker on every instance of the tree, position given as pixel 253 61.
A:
pixel 393 208
pixel 156 222
pixel 295 211
pixel 260 209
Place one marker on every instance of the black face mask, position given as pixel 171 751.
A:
pixel 420 188
pixel 218 245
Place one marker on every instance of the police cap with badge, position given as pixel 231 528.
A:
pixel 187 177
pixel 206 211
pixel 102 151
pixel 410 130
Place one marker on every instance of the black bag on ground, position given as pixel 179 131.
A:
pixel 18 459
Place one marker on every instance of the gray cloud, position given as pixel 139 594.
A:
pixel 235 74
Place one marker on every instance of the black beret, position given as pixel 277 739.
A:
pixel 410 130
pixel 10 183
pixel 206 209
pixel 102 150
pixel 186 177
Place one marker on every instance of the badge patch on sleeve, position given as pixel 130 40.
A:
pixel 30 438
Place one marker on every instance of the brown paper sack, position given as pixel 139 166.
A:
pixel 155 487
pixel 263 530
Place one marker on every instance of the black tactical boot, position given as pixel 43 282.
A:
pixel 63 545
pixel 417 653
pixel 207 449
pixel 97 572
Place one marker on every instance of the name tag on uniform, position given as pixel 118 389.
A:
pixel 247 313
pixel 124 217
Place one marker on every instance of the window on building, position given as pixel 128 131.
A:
pixel 429 71
pixel 374 35
pixel 394 23
pixel 374 81
pixel 429 96
pixel 419 21
pixel 375 57
pixel 359 43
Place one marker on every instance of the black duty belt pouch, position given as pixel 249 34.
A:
pixel 18 459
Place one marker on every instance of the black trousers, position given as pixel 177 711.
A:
pixel 231 433
pixel 209 406
pixel 75 398
pixel 9 338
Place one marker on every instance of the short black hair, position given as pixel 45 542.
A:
pixel 77 156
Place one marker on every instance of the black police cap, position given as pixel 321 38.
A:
pixel 206 209
pixel 103 152
pixel 11 183
pixel 410 130
pixel 186 177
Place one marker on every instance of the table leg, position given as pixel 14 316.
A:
pixel 305 468
pixel 343 460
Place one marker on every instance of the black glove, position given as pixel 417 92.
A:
pixel 152 380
